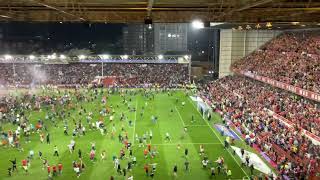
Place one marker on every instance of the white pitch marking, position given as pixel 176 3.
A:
pixel 180 117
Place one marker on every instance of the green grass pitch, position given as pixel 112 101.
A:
pixel 199 132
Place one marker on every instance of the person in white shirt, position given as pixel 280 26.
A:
pixel 201 150
pixel 204 163
pixel 116 162
pixel 31 154
pixel 168 138
pixel 103 155
pixel 150 135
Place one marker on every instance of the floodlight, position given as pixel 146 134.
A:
pixel 81 56
pixel 53 56
pixel 32 57
pixel 105 56
pixel 160 56
pixel 197 24
pixel 62 56
pixel 7 57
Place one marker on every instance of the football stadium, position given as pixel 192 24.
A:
pixel 159 89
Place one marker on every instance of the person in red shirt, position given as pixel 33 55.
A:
pixel 54 170
pixel 122 154
pixel 146 169
pixel 48 169
pixel 149 147
pixel 126 143
pixel 60 168
pixel 312 166
pixel 25 165
pixel 92 154
pixel 145 152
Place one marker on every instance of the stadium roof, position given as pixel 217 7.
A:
pixel 130 11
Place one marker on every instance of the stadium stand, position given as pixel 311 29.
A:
pixel 128 74
pixel 246 103
pixel 292 58
pixel 281 124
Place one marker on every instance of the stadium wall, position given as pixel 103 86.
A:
pixel 237 44
pixel 197 72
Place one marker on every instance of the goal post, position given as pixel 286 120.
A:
pixel 203 108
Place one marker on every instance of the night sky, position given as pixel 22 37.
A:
pixel 46 38
pixel 66 31
pixel 52 37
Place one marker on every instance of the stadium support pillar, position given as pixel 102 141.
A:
pixel 189 70
pixel 102 68
pixel 14 69
pixel 244 43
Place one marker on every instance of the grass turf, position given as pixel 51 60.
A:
pixel 199 132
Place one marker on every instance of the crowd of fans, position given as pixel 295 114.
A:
pixel 128 74
pixel 247 103
pixel 292 58
pixel 304 113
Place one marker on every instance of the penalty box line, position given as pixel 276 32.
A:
pixel 186 125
